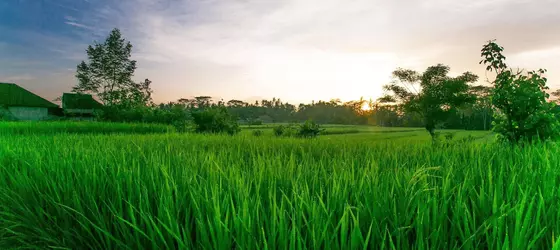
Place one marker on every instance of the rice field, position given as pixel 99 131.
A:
pixel 374 189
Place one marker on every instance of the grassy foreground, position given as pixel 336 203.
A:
pixel 174 191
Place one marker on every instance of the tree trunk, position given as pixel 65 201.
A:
pixel 431 128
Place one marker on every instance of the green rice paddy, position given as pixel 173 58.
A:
pixel 146 187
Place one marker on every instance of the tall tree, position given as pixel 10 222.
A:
pixel 108 73
pixel 431 94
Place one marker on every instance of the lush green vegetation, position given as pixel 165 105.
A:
pixel 63 127
pixel 69 185
pixel 378 188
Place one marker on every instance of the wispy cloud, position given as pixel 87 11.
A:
pixel 70 18
pixel 79 25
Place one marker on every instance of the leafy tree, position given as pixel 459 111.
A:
pixel 109 71
pixel 523 112
pixel 431 94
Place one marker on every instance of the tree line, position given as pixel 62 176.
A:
pixel 516 104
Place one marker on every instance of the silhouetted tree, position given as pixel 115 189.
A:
pixel 109 71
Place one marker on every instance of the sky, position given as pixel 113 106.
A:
pixel 297 50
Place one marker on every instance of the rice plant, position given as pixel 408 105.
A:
pixel 355 191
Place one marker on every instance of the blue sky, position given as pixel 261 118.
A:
pixel 298 50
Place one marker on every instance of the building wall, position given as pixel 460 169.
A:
pixel 79 111
pixel 5 114
pixel 29 113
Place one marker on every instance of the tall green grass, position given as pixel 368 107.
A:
pixel 79 127
pixel 176 191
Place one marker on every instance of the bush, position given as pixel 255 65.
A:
pixel 215 120
pixel 257 133
pixel 523 111
pixel 309 129
pixel 279 130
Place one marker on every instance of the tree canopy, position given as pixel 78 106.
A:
pixel 521 99
pixel 108 74
pixel 432 94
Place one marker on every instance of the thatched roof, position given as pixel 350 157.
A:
pixel 79 101
pixel 14 95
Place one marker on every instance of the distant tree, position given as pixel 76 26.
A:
pixel 431 94
pixel 108 74
pixel 203 101
pixel 523 112
pixel 236 103
pixel 556 95
pixel 141 93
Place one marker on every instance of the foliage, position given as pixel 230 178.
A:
pixel 77 127
pixel 190 191
pixel 524 114
pixel 474 117
pixel 215 120
pixel 108 74
pixel 431 94
pixel 556 95
pixel 309 129
pixel 279 130
pixel 257 132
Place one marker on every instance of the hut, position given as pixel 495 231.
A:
pixel 18 103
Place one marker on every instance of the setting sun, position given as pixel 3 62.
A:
pixel 366 107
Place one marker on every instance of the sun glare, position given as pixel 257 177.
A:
pixel 366 107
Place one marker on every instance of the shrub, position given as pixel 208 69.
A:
pixel 215 120
pixel 523 112
pixel 257 133
pixel 309 129
pixel 279 130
